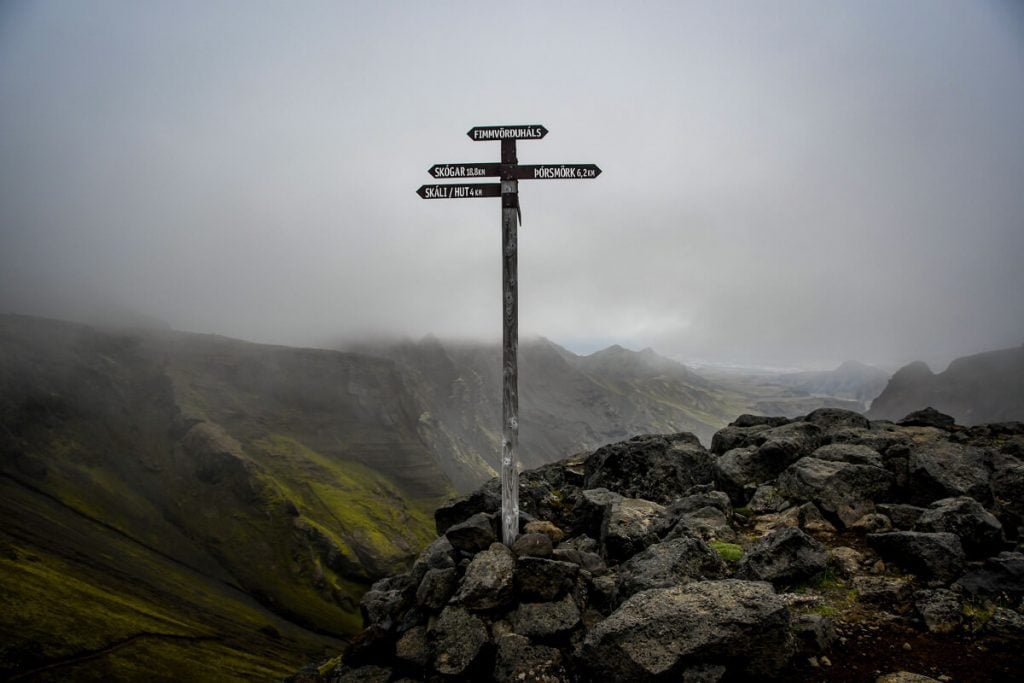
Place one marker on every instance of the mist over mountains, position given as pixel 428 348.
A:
pixel 194 491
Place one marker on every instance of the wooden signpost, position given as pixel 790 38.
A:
pixel 510 172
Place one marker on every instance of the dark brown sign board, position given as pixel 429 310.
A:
pixel 492 133
pixel 460 191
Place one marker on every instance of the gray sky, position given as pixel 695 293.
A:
pixel 785 183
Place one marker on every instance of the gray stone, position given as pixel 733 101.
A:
pixel 904 677
pixel 488 582
pixel 927 417
pixel 1004 623
pixel 669 563
pixel 839 488
pixel 412 647
pixel 659 468
pixel 437 588
pixel 386 600
pixel 456 640
pixel 547 619
pixel 708 523
pixel 846 561
pixel 438 555
pixel 833 419
pixel 536 545
pixel 589 511
pixel 815 632
pixel 979 531
pixel 1001 576
pixel 784 557
pixel 855 454
pixel 629 526
pixel 935 557
pixel 939 609
pixel 741 625
pixel 517 659
pixel 1007 485
pixel 538 579
pixel 473 535
pixel 873 522
pixel 902 516
pixel 887 591
pixel 941 469
pixel 365 674
pixel 767 499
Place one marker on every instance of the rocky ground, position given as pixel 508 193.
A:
pixel 825 547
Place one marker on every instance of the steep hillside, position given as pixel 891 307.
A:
pixel 568 403
pixel 212 507
pixel 986 387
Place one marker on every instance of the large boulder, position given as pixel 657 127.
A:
pixel 629 526
pixel 474 534
pixel 386 601
pixel 1000 577
pixel 547 620
pixel 844 490
pixel 590 508
pixel 658 468
pixel 934 557
pixel 656 634
pixel 979 531
pixel 670 563
pixel 486 499
pixel 928 417
pixel 941 469
pixel 833 419
pixel 539 579
pixel 1007 485
pixel 784 557
pixel 457 640
pixel 855 454
pixel 488 582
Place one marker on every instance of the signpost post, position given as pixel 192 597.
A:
pixel 510 172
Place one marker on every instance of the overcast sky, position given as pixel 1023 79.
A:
pixel 784 183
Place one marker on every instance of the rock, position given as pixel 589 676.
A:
pixel 902 516
pixel 660 468
pixel 708 523
pixel 1007 486
pixel 437 588
pixel 767 499
pixel 488 582
pixel 547 528
pixel 629 526
pixel 589 561
pixel 873 522
pixel 412 647
pixel 904 677
pixel 888 591
pixel 699 498
pixel 741 625
pixel 1001 576
pixel 437 555
pixel 517 659
pixel 535 545
pixel 787 519
pixel 940 610
pixel 456 639
pixel 855 454
pixel 979 531
pixel 386 600
pixel 669 563
pixel 473 535
pixel 538 579
pixel 838 488
pixel 1004 623
pixel 816 633
pixel 486 499
pixel 703 673
pixel 590 509
pixel 932 556
pixel 928 417
pixel 846 561
pixel 785 557
pixel 547 619
pixel 832 419
pixel 736 436
pixel 603 592
pixel 941 469
pixel 813 522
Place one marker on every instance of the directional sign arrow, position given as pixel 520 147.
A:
pixel 557 171
pixel 460 191
pixel 465 170
pixel 487 133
